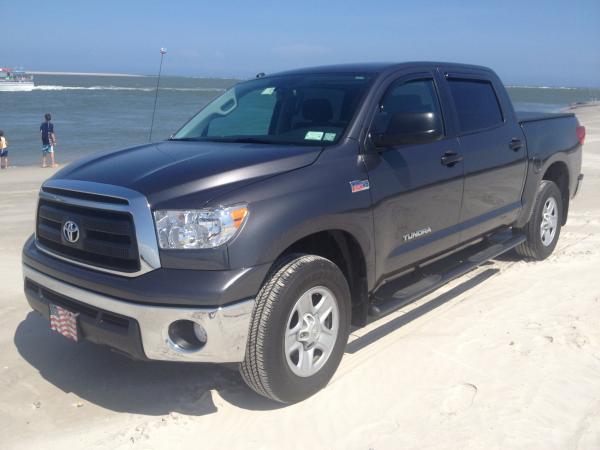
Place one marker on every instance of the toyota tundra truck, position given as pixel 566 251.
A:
pixel 292 207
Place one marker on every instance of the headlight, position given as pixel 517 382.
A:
pixel 198 228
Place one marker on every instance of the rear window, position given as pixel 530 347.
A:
pixel 476 104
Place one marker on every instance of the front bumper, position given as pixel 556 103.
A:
pixel 161 287
pixel 146 332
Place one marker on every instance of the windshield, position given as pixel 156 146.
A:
pixel 308 109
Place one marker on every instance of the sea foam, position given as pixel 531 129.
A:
pixel 120 88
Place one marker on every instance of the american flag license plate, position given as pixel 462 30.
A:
pixel 64 322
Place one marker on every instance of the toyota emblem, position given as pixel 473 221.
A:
pixel 70 231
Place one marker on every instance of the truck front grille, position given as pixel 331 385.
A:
pixel 106 238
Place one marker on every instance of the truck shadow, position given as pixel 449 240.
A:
pixel 510 256
pixel 393 325
pixel 115 382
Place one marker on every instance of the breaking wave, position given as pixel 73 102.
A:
pixel 121 88
pixel 565 88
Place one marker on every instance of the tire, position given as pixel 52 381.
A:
pixel 538 247
pixel 284 304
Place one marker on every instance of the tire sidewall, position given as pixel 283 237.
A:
pixel 286 385
pixel 548 189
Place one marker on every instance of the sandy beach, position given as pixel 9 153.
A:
pixel 506 357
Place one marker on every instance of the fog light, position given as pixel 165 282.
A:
pixel 186 335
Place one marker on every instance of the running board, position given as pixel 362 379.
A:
pixel 427 278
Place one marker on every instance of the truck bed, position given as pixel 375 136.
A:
pixel 548 134
pixel 528 116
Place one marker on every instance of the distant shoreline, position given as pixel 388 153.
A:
pixel 579 105
pixel 95 74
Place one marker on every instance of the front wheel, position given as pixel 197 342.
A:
pixel 299 329
pixel 543 229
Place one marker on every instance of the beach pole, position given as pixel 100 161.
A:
pixel 162 54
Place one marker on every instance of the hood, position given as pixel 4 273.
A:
pixel 168 172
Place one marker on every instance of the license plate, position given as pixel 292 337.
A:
pixel 64 322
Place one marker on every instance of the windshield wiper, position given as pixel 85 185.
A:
pixel 232 139
pixel 246 140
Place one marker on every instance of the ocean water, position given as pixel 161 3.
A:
pixel 98 113
pixel 95 114
pixel 550 99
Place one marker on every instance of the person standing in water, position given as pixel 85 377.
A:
pixel 3 151
pixel 48 140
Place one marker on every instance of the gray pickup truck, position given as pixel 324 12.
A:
pixel 292 207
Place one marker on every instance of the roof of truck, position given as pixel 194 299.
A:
pixel 376 67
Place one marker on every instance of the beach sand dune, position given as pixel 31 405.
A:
pixel 507 356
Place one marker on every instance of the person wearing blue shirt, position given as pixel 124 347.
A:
pixel 48 141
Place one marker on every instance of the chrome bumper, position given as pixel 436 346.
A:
pixel 226 327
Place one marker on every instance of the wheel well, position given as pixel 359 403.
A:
pixel 559 174
pixel 342 249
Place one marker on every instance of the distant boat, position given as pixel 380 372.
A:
pixel 15 80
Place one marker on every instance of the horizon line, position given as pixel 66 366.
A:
pixel 116 74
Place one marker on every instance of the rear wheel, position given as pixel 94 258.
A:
pixel 543 229
pixel 299 329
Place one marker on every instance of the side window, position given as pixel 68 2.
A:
pixel 476 104
pixel 409 113
pixel 250 117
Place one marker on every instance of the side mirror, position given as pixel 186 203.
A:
pixel 408 128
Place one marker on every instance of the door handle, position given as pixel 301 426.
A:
pixel 450 158
pixel 515 144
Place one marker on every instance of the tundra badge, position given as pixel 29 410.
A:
pixel 416 234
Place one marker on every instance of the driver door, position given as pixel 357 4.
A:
pixel 416 183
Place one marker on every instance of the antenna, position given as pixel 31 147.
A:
pixel 162 54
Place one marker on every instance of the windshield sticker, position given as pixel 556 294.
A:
pixel 314 135
pixel 268 91
pixel 329 137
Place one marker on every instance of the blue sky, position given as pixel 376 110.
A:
pixel 526 42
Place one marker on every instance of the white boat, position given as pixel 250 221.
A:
pixel 15 81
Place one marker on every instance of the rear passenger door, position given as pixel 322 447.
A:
pixel 493 147
pixel 416 187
